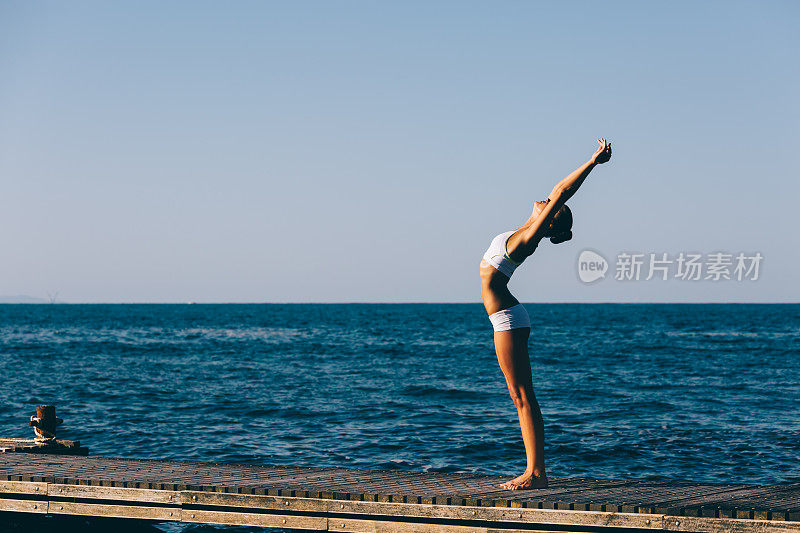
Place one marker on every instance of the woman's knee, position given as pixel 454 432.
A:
pixel 520 396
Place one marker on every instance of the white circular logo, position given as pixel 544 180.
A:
pixel 591 266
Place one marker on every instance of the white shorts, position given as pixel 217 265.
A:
pixel 511 318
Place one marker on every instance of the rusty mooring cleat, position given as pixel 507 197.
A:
pixel 44 423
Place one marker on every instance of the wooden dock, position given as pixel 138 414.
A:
pixel 351 500
pixel 63 447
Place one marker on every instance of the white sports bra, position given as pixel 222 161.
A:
pixel 497 256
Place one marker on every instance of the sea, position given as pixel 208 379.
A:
pixel 687 392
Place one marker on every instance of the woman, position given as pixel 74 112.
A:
pixel 551 218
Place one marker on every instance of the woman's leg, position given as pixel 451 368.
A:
pixel 512 354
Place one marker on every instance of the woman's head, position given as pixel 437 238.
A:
pixel 560 229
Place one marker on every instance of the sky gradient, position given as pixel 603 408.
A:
pixel 369 151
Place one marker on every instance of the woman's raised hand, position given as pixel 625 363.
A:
pixel 603 153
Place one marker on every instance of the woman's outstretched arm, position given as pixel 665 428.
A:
pixel 564 190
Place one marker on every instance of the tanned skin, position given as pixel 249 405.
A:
pixel 512 346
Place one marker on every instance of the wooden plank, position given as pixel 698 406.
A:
pixel 728 525
pixel 650 497
pixel 310 481
pixel 562 490
pixel 396 485
pixel 22 487
pixel 235 518
pixel 114 493
pixel 376 478
pixel 653 493
pixel 759 498
pixel 423 485
pixel 497 514
pixel 355 525
pixel 49 447
pixel 702 495
pixel 252 501
pixel 585 494
pixel 423 488
pixel 405 527
pixel 116 467
pixel 264 479
pixel 23 506
pixel 379 478
pixel 115 511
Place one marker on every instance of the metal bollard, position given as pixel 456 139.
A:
pixel 44 422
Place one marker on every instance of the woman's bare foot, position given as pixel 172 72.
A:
pixel 526 481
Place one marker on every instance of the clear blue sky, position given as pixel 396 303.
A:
pixel 368 151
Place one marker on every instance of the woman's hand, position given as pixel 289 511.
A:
pixel 603 153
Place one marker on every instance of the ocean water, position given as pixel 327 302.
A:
pixel 652 391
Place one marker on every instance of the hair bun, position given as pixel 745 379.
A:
pixel 561 237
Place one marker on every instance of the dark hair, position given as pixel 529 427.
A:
pixel 561 227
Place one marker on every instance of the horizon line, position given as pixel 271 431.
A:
pixel 405 303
